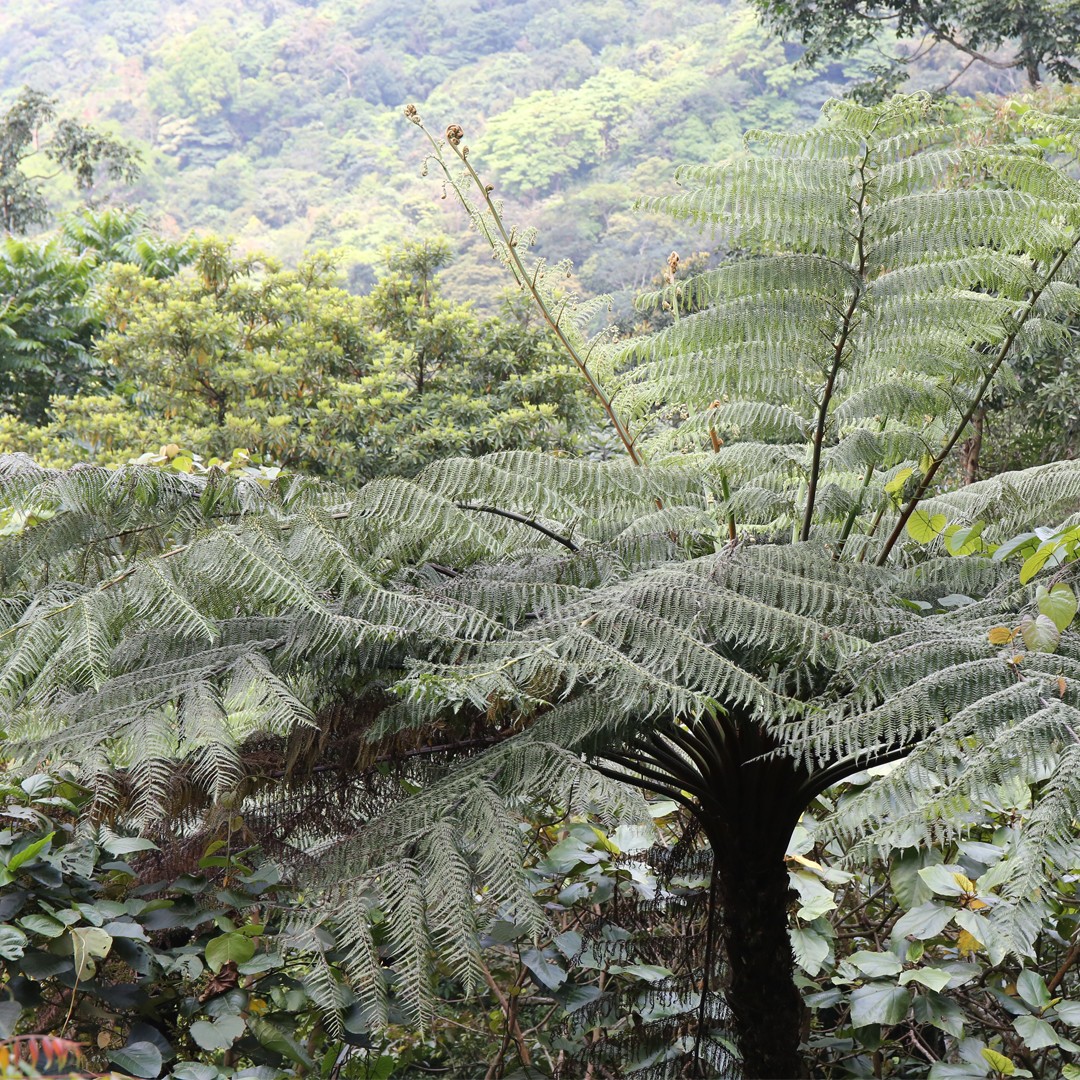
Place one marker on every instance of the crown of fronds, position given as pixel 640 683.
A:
pixel 894 267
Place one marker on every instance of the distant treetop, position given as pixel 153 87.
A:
pixel 35 146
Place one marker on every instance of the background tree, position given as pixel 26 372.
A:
pixel 35 147
pixel 239 353
pixel 1039 38
pixel 256 128
pixel 51 310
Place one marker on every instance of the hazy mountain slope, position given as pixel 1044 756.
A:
pixel 279 122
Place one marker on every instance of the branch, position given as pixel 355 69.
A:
pixel 522 519
pixel 514 261
pixel 838 355
pixel 1001 65
pixel 984 386
pixel 1070 958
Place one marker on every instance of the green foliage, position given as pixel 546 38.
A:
pixel 207 972
pixel 28 129
pixel 241 353
pixel 52 312
pixel 149 974
pixel 1039 38
pixel 278 127
pixel 46 325
pixel 906 959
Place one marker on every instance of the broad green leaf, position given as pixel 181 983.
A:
pixel 20 858
pixel 43 965
pixel 810 948
pixel 816 899
pixel 573 997
pixel 923 922
pixel 42 924
pixel 568 943
pixel 961 542
pixel 975 925
pixel 983 931
pixel 1058 604
pixel 876 964
pixel 10 1011
pixel 128 845
pixel 923 528
pixel 647 972
pixel 932 978
pixel 910 889
pixel 219 1034
pixel 1016 544
pixel 545 970
pixel 944 880
pixel 940 1011
pixel 879 1003
pixel 1039 633
pixel 138 1059
pixel 1032 990
pixel 1069 1012
pixel 1036 1033
pixel 192 1070
pixel 233 947
pixel 1034 563
pixel 38 784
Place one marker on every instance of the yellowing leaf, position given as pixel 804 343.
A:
pixel 964 882
pixel 88 943
pixel 898 481
pixel 967 943
pixel 923 528
pixel 806 862
pixel 1000 635
pixel 998 1062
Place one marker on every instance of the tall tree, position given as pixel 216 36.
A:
pixel 1038 37
pixel 36 146
pixel 729 619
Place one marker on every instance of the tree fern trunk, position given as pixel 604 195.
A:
pixel 754 806
pixel 747 801
pixel 765 1004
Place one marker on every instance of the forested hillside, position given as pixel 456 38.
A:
pixel 279 122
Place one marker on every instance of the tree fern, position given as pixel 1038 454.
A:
pixel 730 618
